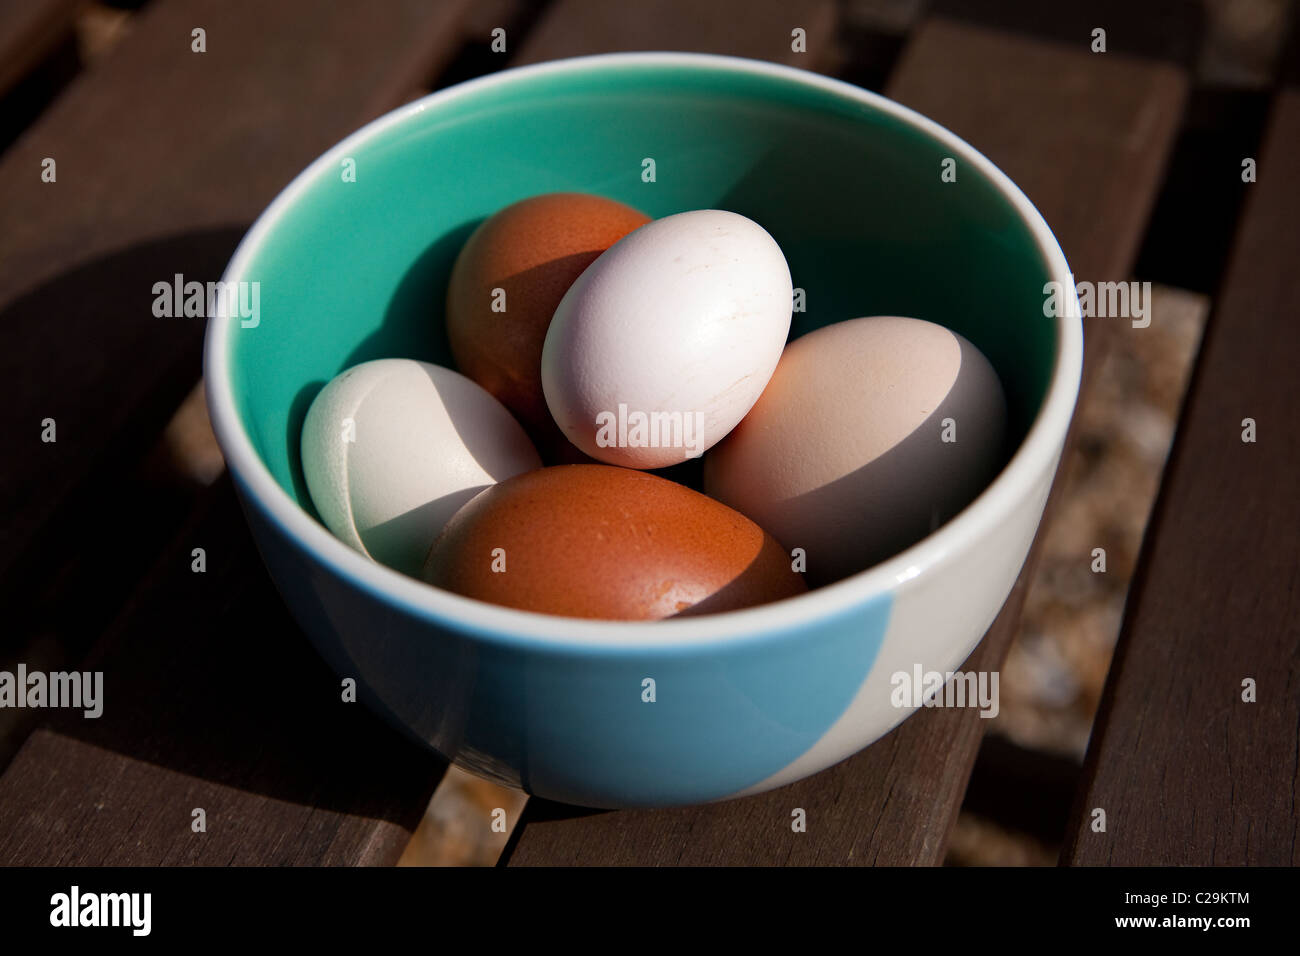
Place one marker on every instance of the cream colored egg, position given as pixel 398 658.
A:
pixel 392 448
pixel 870 434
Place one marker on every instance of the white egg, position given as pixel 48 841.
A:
pixel 392 448
pixel 667 339
pixel 871 434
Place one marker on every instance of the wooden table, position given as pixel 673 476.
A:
pixel 165 155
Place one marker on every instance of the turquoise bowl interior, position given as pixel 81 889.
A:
pixel 358 270
pixel 852 188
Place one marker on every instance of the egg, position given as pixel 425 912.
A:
pixel 596 541
pixel 664 343
pixel 871 433
pixel 392 448
pixel 531 252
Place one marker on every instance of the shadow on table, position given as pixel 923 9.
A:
pixel 204 674
pixel 540 811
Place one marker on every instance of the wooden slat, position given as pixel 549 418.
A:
pixel 1167 30
pixel 163 157
pixel 213 699
pixel 30 29
pixel 757 28
pixel 1087 137
pixel 1187 772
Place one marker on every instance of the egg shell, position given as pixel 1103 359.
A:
pixel 595 541
pixel 532 250
pixel 680 325
pixel 844 454
pixel 392 448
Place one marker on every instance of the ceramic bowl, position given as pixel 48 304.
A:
pixel 352 261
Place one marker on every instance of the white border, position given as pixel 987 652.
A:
pixel 507 625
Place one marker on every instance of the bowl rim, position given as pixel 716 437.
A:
pixel 1036 454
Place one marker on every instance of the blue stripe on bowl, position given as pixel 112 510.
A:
pixel 723 719
pixel 569 723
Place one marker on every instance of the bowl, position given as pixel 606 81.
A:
pixel 351 262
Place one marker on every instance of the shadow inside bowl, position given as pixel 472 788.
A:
pixel 421 293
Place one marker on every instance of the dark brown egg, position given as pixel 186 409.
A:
pixel 531 251
pixel 598 541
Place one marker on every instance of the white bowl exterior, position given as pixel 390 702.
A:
pixel 936 621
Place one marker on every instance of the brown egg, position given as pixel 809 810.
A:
pixel 598 541
pixel 532 251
